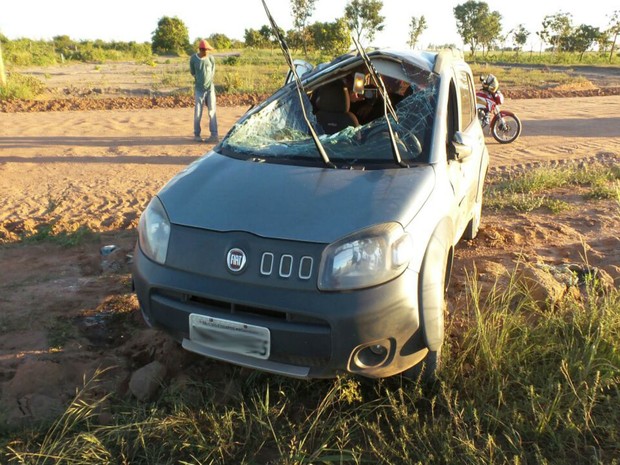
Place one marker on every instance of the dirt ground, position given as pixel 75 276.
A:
pixel 67 310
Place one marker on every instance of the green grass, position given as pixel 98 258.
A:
pixel 535 78
pixel 520 384
pixel 545 58
pixel 65 238
pixel 529 190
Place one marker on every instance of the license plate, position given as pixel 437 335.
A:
pixel 230 336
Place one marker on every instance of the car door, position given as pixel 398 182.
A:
pixel 472 135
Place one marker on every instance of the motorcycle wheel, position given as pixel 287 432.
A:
pixel 509 130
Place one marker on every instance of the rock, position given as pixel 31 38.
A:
pixel 113 259
pixel 31 409
pixel 39 391
pixel 146 381
pixel 542 286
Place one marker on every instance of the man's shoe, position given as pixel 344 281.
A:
pixel 212 140
pixel 198 138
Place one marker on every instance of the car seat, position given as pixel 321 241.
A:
pixel 333 108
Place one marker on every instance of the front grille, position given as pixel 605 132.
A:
pixel 239 309
pixel 297 340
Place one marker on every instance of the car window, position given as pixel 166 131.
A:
pixel 277 131
pixel 467 103
pixel 452 121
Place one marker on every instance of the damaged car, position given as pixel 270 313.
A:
pixel 317 238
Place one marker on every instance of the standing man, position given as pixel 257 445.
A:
pixel 202 67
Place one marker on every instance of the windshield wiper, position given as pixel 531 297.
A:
pixel 300 88
pixel 387 102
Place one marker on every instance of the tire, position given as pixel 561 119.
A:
pixel 433 283
pixel 471 231
pixel 509 130
pixel 425 372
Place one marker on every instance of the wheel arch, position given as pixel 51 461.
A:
pixel 434 278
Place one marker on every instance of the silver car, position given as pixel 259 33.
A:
pixel 317 238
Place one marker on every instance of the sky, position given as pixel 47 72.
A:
pixel 135 20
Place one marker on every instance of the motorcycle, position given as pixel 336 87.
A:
pixel 504 125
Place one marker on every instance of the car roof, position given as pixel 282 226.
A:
pixel 431 61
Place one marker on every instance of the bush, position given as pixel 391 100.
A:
pixel 20 86
pixel 231 60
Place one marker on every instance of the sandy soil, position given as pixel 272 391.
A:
pixel 67 311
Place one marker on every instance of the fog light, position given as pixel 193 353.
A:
pixel 378 349
pixel 372 355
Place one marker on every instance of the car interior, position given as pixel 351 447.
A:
pixel 353 100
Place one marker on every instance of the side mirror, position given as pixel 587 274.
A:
pixel 463 146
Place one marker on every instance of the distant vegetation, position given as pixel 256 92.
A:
pixel 561 41
pixel 257 65
pixel 27 52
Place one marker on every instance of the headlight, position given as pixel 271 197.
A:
pixel 154 231
pixel 366 258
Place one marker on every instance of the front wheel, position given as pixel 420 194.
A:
pixel 506 127
pixel 433 283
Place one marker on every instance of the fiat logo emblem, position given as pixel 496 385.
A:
pixel 236 260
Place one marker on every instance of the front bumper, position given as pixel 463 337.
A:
pixel 313 334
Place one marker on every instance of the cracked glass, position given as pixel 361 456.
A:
pixel 277 131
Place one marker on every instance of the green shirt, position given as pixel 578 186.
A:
pixel 203 70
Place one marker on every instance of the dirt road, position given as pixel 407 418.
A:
pixel 65 311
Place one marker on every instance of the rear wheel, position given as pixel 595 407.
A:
pixel 506 127
pixel 471 231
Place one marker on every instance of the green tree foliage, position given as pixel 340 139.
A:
pixel 519 37
pixel 331 37
pixel 220 41
pixel 581 39
pixel 477 25
pixel 268 37
pixel 490 30
pixel 294 39
pixel 302 10
pixel 252 38
pixel 556 29
pixel 614 31
pixel 364 18
pixel 171 37
pixel 416 27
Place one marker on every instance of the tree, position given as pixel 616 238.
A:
pixel 220 41
pixel 302 10
pixel 363 18
pixel 582 39
pixel 519 37
pixel 269 38
pixel 604 42
pixel 171 36
pixel 490 30
pixel 252 38
pixel 614 30
pixel 476 24
pixel 333 37
pixel 556 28
pixel 416 27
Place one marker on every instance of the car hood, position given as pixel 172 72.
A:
pixel 292 202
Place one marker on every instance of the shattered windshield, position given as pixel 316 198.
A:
pixel 347 112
